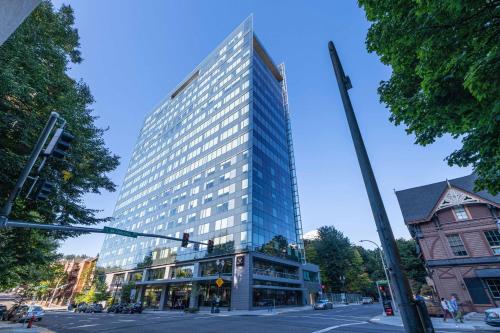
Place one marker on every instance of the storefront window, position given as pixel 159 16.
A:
pixel 152 296
pixel 209 291
pixel 275 297
pixel 182 272
pixel 178 296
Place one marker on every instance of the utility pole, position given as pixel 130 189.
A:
pixel 404 297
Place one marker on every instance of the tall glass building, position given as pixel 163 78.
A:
pixel 215 159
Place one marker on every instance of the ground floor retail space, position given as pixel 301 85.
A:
pixel 178 296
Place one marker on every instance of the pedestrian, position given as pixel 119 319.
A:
pixel 419 297
pixel 457 314
pixel 445 305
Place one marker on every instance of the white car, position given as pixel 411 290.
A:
pixel 492 317
pixel 367 300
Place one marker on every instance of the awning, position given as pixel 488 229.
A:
pixel 488 273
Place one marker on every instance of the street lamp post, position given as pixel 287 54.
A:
pixel 220 266
pixel 344 296
pixel 384 267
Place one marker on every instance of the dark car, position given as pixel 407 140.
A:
pixel 3 309
pixel 25 313
pixel 323 304
pixel 93 308
pixel 82 307
pixel 14 309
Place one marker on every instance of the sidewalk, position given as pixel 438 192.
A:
pixel 438 323
pixel 6 326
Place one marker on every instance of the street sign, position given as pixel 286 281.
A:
pixel 219 282
pixel 109 230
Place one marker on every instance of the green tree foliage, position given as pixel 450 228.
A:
pixel 127 291
pixel 336 257
pixel 333 253
pixel 33 82
pixel 445 59
pixel 97 291
pixel 413 266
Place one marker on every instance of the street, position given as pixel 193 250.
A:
pixel 353 318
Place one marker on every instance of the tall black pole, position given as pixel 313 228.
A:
pixel 401 286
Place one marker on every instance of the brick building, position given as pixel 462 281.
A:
pixel 457 232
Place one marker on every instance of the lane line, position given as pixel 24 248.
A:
pixel 338 326
pixel 81 326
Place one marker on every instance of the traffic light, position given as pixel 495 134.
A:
pixel 60 143
pixel 44 190
pixel 210 246
pixel 185 239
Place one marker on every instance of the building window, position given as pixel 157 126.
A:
pixel 493 237
pixel 461 213
pixel 494 287
pixel 457 246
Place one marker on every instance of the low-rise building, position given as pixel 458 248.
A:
pixel 457 231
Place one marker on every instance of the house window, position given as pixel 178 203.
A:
pixel 457 246
pixel 461 213
pixel 493 237
pixel 494 287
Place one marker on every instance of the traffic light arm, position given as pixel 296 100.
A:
pixel 22 224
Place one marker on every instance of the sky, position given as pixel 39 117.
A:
pixel 135 52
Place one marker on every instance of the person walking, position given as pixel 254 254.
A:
pixel 455 310
pixel 445 305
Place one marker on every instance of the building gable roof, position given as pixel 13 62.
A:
pixel 418 203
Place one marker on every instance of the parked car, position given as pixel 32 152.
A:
pixel 3 309
pixel 366 300
pixel 492 317
pixel 118 308
pixel 16 312
pixel 27 312
pixel 81 307
pixel 7 315
pixel 323 304
pixel 136 307
pixel 93 308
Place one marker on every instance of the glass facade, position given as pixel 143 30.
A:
pixel 213 160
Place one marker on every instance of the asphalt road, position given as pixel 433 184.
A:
pixel 352 319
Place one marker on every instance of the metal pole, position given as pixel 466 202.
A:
pixel 385 270
pixel 404 297
pixel 7 208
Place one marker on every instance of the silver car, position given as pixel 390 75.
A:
pixel 33 311
pixel 323 304
pixel 492 317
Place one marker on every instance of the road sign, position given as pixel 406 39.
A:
pixel 109 230
pixel 219 282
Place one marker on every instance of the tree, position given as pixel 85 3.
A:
pixel 413 266
pixel 333 254
pixel 34 82
pixel 445 59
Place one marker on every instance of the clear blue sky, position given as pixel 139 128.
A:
pixel 135 52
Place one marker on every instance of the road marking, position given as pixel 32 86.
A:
pixel 81 326
pixel 126 320
pixel 338 326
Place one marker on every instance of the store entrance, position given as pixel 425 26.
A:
pixel 178 296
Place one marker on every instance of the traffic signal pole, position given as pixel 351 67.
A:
pixel 400 284
pixel 7 208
